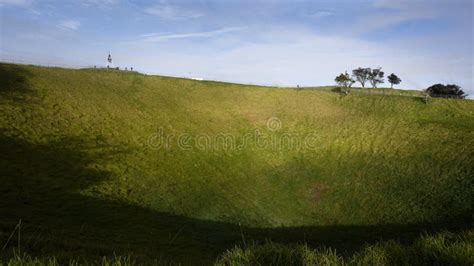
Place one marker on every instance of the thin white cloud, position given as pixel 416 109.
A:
pixel 21 3
pixel 389 13
pixel 70 24
pixel 172 12
pixel 158 37
pixel 98 3
pixel 322 14
pixel 378 20
pixel 390 4
pixel 411 4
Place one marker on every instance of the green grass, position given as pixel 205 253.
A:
pixel 443 248
pixel 77 166
pixel 27 260
pixel 440 249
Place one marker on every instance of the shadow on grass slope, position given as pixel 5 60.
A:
pixel 42 184
pixel 14 84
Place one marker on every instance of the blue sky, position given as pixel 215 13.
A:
pixel 263 42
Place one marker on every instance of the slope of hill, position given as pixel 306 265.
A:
pixel 95 162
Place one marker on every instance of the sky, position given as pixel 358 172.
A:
pixel 273 42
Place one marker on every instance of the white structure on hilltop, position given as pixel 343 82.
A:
pixel 109 62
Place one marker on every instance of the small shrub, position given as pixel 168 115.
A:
pixel 446 91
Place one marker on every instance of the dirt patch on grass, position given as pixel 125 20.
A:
pixel 317 191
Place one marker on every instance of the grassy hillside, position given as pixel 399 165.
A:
pixel 83 167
